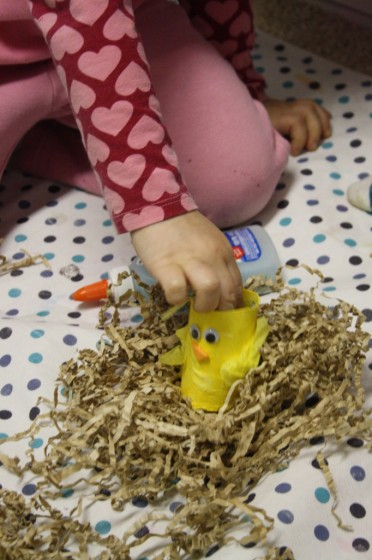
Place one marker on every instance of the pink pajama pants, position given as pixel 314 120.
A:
pixel 230 156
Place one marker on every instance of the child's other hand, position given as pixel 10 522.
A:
pixel 188 251
pixel 305 123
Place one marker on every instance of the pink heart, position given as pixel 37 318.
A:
pixel 126 173
pixel 115 203
pixel 227 48
pixel 113 120
pixel 159 182
pixel 188 203
pixel 65 40
pixel 46 22
pixel 81 96
pixel 154 105
pixel 119 25
pixel 144 131
pixel 241 60
pixel 133 77
pixel 170 155
pixel 148 215
pixel 100 65
pixel 221 12
pixel 97 149
pixel 141 52
pixel 88 15
pixel 242 24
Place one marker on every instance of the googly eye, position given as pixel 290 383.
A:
pixel 211 336
pixel 195 332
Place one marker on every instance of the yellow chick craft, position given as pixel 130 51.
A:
pixel 218 348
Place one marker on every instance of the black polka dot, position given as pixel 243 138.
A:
pixel 212 550
pixel 282 204
pixel 5 333
pixel 44 294
pixel 355 260
pixel 348 115
pixel 346 225
pixel 23 220
pixel 34 412
pixel 316 219
pixel 368 314
pixel 5 414
pixel 361 545
pixel 77 278
pixel 280 186
pixel 358 511
pixel 79 240
pixel 140 501
pixel 340 87
pixel 359 160
pixel 328 279
pixel 50 221
pixel 292 262
pixel 306 172
pixel 105 492
pixel 279 48
pixel 315 463
pixel 74 314
pixel 355 143
pixel 307 60
pixel 23 204
pixel 363 287
pixel 16 272
pixel 314 85
pixel 49 238
pixel 355 442
pixel 250 544
pixel 284 69
pixel 27 187
pixel 54 188
pixel 250 498
pixel 316 440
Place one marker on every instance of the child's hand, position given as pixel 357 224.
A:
pixel 305 123
pixel 188 251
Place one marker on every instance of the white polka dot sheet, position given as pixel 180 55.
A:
pixel 309 220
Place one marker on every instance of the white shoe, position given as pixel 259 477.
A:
pixel 360 194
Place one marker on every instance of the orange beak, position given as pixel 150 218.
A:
pixel 200 354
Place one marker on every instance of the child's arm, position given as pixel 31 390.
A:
pixel 100 59
pixel 229 27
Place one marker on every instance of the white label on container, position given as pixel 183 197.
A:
pixel 245 245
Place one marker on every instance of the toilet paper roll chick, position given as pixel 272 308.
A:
pixel 217 348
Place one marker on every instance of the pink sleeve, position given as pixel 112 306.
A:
pixel 101 61
pixel 229 27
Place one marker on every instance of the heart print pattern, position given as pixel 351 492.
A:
pixel 113 101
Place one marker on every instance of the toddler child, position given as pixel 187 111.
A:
pixel 156 106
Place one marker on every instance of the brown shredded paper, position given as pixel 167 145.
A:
pixel 123 428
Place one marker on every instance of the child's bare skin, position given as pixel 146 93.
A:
pixel 303 122
pixel 190 252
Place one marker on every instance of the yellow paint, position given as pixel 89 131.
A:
pixel 218 348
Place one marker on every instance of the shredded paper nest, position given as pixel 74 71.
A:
pixel 123 429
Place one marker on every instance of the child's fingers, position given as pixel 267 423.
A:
pixel 174 283
pixel 298 136
pixel 325 119
pixel 315 129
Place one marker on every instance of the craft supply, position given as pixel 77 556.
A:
pixel 254 252
pixel 218 348
pixel 117 283
pixel 360 194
